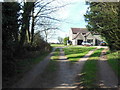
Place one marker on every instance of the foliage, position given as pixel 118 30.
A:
pixel 65 40
pixel 10 27
pixel 102 18
pixel 20 21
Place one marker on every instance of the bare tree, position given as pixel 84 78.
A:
pixel 60 40
pixel 35 14
pixel 47 29
pixel 41 13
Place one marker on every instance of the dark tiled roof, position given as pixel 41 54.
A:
pixel 80 30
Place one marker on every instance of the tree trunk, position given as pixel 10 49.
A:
pixel 32 26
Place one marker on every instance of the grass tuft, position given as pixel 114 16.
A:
pixel 56 54
pixel 75 53
pixel 113 60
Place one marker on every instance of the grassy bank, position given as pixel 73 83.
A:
pixel 52 66
pixel 23 66
pixel 75 53
pixel 26 64
pixel 90 70
pixel 113 60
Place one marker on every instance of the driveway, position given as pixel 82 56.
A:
pixel 64 77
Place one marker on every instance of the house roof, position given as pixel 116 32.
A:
pixel 80 30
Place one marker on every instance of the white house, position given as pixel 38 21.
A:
pixel 78 35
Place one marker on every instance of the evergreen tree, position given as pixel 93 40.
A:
pixel 10 29
pixel 102 17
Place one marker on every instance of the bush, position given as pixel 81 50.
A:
pixel 8 63
pixel 65 40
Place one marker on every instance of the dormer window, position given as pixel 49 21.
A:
pixel 74 33
pixel 83 33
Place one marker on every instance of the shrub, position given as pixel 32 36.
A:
pixel 65 40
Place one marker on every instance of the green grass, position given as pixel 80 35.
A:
pixel 90 70
pixel 50 71
pixel 75 53
pixel 52 66
pixel 57 45
pixel 113 58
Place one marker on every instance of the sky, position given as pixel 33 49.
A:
pixel 72 16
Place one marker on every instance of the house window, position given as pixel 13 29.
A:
pixel 83 33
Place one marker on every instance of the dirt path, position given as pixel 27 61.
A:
pixel 64 77
pixel 108 79
pixel 31 75
pixel 69 71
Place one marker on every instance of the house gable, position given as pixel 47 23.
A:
pixel 77 35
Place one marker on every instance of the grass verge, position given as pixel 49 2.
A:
pixel 90 70
pixel 57 45
pixel 27 64
pixel 23 66
pixel 113 60
pixel 52 66
pixel 75 53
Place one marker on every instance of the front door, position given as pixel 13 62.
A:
pixel 79 42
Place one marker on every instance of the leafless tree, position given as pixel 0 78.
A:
pixel 42 14
pixel 36 15
pixel 60 39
